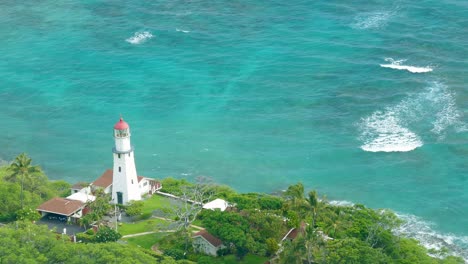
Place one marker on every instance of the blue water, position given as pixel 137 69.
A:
pixel 255 94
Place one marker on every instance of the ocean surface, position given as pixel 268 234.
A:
pixel 365 101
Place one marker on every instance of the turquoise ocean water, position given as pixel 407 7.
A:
pixel 365 101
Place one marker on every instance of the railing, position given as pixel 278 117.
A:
pixel 122 152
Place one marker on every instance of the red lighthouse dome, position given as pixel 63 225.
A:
pixel 121 125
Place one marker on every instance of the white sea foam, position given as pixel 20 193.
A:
pixel 448 115
pixel 415 227
pixel 181 30
pixel 397 65
pixel 139 37
pixel 371 20
pixel 341 203
pixel 384 133
pixel 388 130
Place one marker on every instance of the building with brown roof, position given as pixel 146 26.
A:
pixel 62 207
pixel 294 232
pixel 145 185
pixel 103 182
pixel 205 242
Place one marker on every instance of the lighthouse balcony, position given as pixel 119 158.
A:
pixel 116 151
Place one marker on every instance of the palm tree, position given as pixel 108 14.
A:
pixel 21 168
pixel 295 192
pixel 313 201
pixel 293 251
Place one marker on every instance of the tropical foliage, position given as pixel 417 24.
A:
pixel 23 187
pixel 30 243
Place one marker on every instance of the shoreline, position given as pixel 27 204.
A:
pixel 413 226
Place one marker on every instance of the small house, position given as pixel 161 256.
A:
pixel 206 243
pixel 62 209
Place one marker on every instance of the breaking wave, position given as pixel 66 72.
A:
pixel 341 203
pixel 386 134
pixel 397 65
pixel 388 131
pixel 139 37
pixel 181 30
pixel 371 20
pixel 415 227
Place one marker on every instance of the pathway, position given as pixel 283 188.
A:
pixel 161 231
pixel 147 233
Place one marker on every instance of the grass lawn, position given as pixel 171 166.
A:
pixel 198 222
pixel 249 259
pixel 146 241
pixel 141 226
pixel 155 202
pixel 231 259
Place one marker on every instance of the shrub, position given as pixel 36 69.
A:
pixel 175 253
pixel 134 208
pixel 85 238
pixel 106 234
pixel 145 216
pixel 206 260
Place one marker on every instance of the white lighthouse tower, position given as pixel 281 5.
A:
pixel 124 179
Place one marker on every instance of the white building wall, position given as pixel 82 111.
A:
pixel 122 144
pixel 144 186
pixel 201 245
pixel 108 189
pixel 86 190
pixel 124 175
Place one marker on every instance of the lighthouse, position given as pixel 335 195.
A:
pixel 125 186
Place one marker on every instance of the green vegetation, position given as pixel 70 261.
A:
pixel 23 187
pixel 231 259
pixel 174 186
pixel 98 208
pixel 251 230
pixel 146 241
pixel 155 202
pixel 142 226
pixel 134 208
pixel 30 243
pixel 106 234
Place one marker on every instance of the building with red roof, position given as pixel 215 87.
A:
pixel 71 209
pixel 206 243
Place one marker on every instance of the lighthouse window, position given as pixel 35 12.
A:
pixel 132 181
pixel 120 169
pixel 129 154
pixel 118 155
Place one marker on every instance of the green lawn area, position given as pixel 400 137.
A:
pixel 146 241
pixel 155 202
pixel 231 259
pixel 249 259
pixel 141 226
pixel 198 222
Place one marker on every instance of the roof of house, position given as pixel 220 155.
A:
pixel 79 185
pixel 105 180
pixel 82 197
pixel 293 232
pixel 216 242
pixel 216 204
pixel 140 178
pixel 61 206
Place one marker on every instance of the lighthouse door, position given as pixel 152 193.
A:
pixel 119 198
